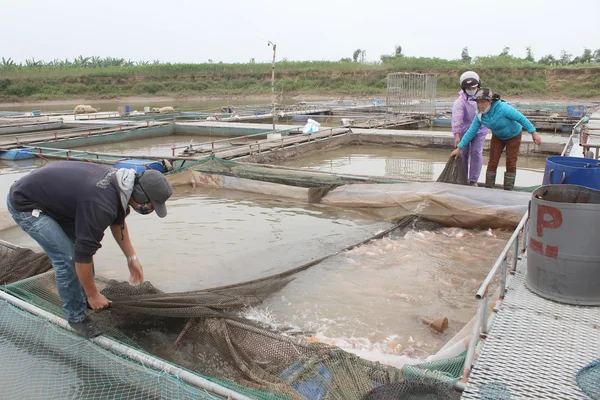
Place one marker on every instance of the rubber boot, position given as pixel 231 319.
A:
pixel 509 180
pixel 490 179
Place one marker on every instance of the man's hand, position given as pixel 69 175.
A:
pixel 536 138
pixel 455 153
pixel 98 301
pixel 136 272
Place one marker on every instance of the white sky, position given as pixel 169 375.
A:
pixel 236 31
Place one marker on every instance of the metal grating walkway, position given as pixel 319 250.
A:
pixel 534 348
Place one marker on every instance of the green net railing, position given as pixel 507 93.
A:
pixel 39 360
pixel 588 379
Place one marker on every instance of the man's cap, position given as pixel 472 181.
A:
pixel 156 188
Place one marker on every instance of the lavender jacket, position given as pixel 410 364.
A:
pixel 463 112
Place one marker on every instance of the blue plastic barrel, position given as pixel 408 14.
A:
pixel 572 171
pixel 127 109
pixel 140 165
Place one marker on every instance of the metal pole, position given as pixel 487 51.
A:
pixel 273 84
pixel 473 342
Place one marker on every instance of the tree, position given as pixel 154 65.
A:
pixel 585 58
pixel 356 54
pixel 505 51
pixel 547 60
pixel 398 51
pixel 565 58
pixel 464 55
pixel 363 56
pixel 529 56
pixel 596 56
pixel 33 63
pixel 252 61
pixel 8 62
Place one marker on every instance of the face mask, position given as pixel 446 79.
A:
pixel 471 92
pixel 144 210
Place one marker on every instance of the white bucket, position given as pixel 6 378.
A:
pixel 146 109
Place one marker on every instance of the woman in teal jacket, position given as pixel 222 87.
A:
pixel 506 124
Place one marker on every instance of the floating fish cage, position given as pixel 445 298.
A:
pixel 410 93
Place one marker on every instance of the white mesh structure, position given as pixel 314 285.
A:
pixel 410 93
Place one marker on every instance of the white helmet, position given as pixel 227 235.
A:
pixel 469 79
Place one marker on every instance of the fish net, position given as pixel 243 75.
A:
pixel 588 379
pixel 264 173
pixel 459 206
pixel 39 360
pixel 454 172
pixel 18 263
pixel 203 332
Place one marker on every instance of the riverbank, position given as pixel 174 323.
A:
pixel 86 84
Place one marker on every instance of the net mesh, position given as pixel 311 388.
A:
pixel 264 173
pixel 588 379
pixel 454 172
pixel 39 360
pixel 203 332
pixel 452 205
pixel 18 263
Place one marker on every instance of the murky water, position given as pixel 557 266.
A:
pixel 159 146
pixel 372 297
pixel 406 163
pixel 215 237
pixel 11 171
pixel 369 298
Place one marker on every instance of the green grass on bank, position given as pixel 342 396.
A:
pixel 505 75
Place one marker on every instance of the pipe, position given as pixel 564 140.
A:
pixel 488 279
pixel 144 359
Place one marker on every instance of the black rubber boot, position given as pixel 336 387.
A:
pixel 509 180
pixel 490 179
pixel 86 328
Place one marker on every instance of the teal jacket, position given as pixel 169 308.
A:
pixel 504 121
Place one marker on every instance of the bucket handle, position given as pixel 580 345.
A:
pixel 563 179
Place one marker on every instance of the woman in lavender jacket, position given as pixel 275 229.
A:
pixel 463 112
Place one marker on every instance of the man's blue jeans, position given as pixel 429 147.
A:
pixel 60 249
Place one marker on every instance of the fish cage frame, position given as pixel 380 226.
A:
pixel 411 93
